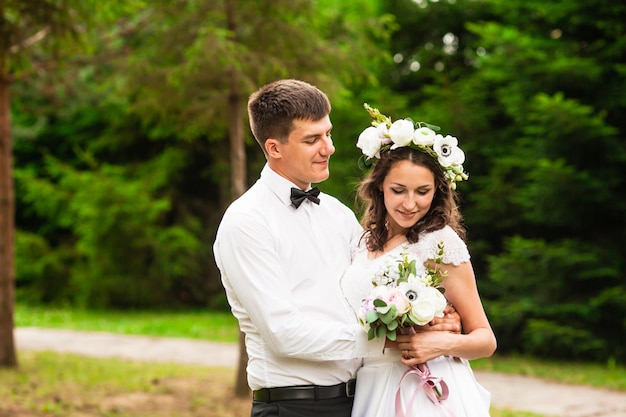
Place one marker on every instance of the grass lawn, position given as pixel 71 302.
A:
pixel 64 385
pixel 203 325
pixel 49 384
pixel 222 327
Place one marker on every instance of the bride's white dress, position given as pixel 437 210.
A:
pixel 379 378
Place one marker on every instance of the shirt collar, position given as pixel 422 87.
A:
pixel 278 184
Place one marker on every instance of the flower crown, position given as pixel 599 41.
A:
pixel 384 135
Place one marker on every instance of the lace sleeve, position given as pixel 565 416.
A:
pixel 455 250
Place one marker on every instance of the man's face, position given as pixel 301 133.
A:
pixel 304 158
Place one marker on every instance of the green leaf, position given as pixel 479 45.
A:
pixel 389 316
pixel 371 316
pixel 379 303
pixel 433 127
pixel 364 163
pixel 381 331
pixel 381 306
pixel 371 333
pixel 391 335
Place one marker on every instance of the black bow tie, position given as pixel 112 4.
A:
pixel 298 196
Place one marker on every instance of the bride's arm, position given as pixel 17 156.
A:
pixel 478 339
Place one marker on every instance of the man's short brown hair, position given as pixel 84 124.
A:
pixel 273 108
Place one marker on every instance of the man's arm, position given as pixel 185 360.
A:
pixel 252 272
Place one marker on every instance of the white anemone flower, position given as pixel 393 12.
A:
pixel 401 133
pixel 424 136
pixel 411 290
pixel 448 152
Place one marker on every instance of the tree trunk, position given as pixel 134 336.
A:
pixel 238 187
pixel 238 173
pixel 8 356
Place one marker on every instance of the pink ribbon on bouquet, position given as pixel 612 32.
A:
pixel 429 384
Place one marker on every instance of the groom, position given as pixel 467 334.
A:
pixel 282 248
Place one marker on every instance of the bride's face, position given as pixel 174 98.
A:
pixel 408 192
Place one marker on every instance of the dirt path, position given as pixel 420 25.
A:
pixel 508 391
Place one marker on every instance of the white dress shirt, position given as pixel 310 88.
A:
pixel 281 268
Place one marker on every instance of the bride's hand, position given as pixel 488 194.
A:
pixel 422 347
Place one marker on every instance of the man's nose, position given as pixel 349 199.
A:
pixel 328 148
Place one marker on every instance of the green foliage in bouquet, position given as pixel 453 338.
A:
pixel 393 307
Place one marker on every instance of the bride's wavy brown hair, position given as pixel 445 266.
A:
pixel 443 211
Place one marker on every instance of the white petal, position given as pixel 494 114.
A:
pixel 424 136
pixel 401 132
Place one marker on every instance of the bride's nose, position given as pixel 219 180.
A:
pixel 409 203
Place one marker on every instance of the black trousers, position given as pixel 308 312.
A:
pixel 334 407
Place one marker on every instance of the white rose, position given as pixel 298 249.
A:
pixel 422 310
pixel 369 143
pixel 401 133
pixel 371 140
pixel 424 136
pixel 438 299
pixel 448 152
pixel 429 304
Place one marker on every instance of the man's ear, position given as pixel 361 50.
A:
pixel 272 148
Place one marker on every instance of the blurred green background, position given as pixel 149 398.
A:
pixel 122 143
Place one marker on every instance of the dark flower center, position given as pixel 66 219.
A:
pixel 411 295
pixel 446 150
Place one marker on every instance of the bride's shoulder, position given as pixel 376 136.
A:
pixel 454 248
pixel 448 235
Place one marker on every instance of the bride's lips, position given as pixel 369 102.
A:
pixel 407 215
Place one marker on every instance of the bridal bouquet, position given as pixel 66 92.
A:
pixel 401 298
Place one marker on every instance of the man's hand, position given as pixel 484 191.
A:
pixel 450 322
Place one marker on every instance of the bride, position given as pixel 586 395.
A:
pixel 411 208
